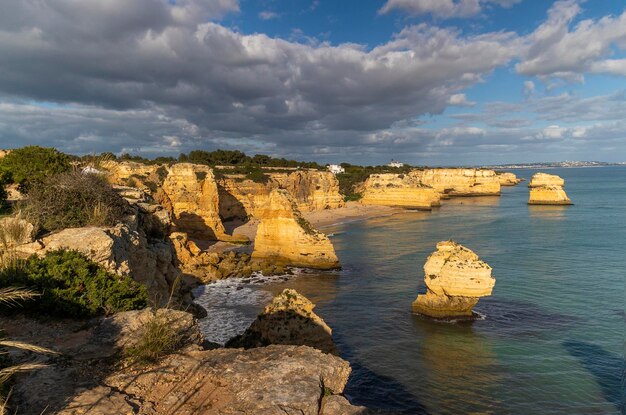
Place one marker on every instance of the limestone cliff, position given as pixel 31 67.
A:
pixel 390 189
pixel 547 189
pixel 288 319
pixel 508 179
pixel 459 182
pixel 311 190
pixel 190 193
pixel 285 237
pixel 455 279
pixel 131 173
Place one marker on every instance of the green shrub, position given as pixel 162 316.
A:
pixel 74 286
pixel 33 164
pixel 257 175
pixel 71 200
pixel 5 178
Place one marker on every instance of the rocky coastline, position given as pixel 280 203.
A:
pixel 179 233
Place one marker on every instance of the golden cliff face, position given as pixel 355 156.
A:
pixel 460 182
pixel 190 193
pixel 547 189
pixel 391 189
pixel 125 172
pixel 311 190
pixel 455 278
pixel 508 179
pixel 285 237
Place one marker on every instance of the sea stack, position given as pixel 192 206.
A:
pixel 288 319
pixel 547 189
pixel 400 190
pixel 508 179
pixel 455 279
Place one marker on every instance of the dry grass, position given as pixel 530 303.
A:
pixel 13 231
pixel 159 339
pixel 11 296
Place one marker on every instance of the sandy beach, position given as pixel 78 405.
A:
pixel 350 212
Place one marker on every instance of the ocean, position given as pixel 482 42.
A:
pixel 552 336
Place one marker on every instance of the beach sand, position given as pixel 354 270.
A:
pixel 349 213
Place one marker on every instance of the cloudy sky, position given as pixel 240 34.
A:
pixel 437 82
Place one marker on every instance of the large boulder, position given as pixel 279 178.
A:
pixel 508 179
pixel 455 279
pixel 288 319
pixel 547 189
pixel 285 237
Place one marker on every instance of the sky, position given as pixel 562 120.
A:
pixel 427 82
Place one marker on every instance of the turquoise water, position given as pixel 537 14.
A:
pixel 552 340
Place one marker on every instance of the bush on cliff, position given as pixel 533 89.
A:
pixel 73 286
pixel 4 180
pixel 71 200
pixel 30 165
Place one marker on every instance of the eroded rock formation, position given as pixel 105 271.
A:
pixel 508 179
pixel 402 190
pixel 242 198
pixel 285 237
pixel 455 279
pixel 190 192
pixel 288 319
pixel 547 189
pixel 460 182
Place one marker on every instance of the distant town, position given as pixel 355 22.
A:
pixel 555 164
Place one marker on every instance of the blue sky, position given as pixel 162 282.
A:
pixel 440 82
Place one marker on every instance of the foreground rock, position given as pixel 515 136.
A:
pixel 288 319
pixel 547 189
pixel 398 190
pixel 286 238
pixel 269 380
pixel 88 354
pixel 508 179
pixel 455 279
pixel 460 182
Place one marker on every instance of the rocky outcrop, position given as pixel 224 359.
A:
pixel 459 182
pixel 242 198
pixel 190 193
pixel 547 189
pixel 508 179
pixel 265 381
pixel 121 249
pixel 285 237
pixel 133 174
pixel 455 279
pixel 402 190
pixel 288 319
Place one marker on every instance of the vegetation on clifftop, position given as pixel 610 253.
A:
pixel 72 200
pixel 28 166
pixel 72 285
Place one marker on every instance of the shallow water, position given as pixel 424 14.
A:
pixel 552 337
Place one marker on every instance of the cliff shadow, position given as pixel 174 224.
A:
pixel 608 369
pixel 230 208
pixel 195 227
pixel 375 391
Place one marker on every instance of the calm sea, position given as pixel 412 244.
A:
pixel 553 335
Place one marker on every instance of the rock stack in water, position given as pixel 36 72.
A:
pixel 508 179
pixel 547 189
pixel 289 319
pixel 455 278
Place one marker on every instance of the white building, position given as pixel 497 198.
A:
pixel 395 164
pixel 336 169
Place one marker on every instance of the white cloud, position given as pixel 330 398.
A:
pixel 268 15
pixel 442 8
pixel 460 100
pixel 555 49
pixel 529 88
pixel 554 131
